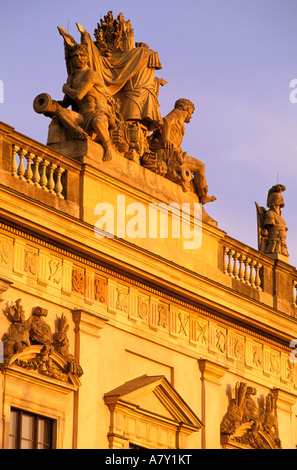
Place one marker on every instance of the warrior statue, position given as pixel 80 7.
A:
pixel 272 230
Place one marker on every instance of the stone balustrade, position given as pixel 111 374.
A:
pixel 242 268
pixel 38 171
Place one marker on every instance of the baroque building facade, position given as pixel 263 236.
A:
pixel 115 331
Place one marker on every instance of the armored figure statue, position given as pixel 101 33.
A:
pixel 272 230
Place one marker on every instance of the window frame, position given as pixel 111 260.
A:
pixel 36 440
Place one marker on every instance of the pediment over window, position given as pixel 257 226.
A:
pixel 148 411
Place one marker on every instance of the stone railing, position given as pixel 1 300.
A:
pixel 242 267
pixel 38 171
pixel 260 276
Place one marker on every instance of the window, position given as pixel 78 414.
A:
pixel 135 446
pixel 30 431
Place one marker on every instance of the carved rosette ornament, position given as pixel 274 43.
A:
pixel 31 345
pixel 247 425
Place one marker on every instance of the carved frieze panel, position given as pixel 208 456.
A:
pixel 235 346
pixel 30 261
pixel 163 317
pixel 100 289
pixel 55 271
pixel 274 362
pixel 257 355
pixel 143 307
pixel 78 280
pixel 202 332
pixel 220 340
pixel 6 251
pixel 122 299
pixel 183 324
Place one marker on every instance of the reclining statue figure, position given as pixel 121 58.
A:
pixel 166 143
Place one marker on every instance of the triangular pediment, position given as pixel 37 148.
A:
pixel 154 395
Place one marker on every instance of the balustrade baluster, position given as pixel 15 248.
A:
pixel 246 272
pixel 59 186
pixel 14 165
pixel 235 266
pixel 21 168
pixel 36 174
pixel 241 270
pixel 29 172
pixel 43 178
pixel 258 266
pixel 252 273
pixel 51 181
pixel 230 264
pixel 225 264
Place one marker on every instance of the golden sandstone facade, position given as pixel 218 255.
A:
pixel 179 341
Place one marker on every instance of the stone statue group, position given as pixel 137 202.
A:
pixel 111 97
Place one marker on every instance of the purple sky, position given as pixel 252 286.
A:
pixel 234 59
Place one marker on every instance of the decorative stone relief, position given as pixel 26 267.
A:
pixel 274 363
pixel 220 341
pixel 100 289
pixel 202 335
pixel 143 308
pixel 239 349
pixel 258 355
pixel 122 299
pixel 30 262
pixel 183 323
pixel 5 251
pixel 30 344
pixel 78 280
pixel 289 375
pixel 248 424
pixel 163 316
pixel 55 271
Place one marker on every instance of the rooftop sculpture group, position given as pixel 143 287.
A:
pixel 113 94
